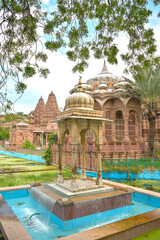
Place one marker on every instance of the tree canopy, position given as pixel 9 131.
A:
pixel 19 54
pixel 79 26
pixel 93 25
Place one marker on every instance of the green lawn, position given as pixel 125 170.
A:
pixel 15 179
pixel 153 235
pixel 12 164
pixel 11 172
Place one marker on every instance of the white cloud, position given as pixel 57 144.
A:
pixel 46 1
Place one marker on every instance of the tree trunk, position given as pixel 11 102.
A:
pixel 152 125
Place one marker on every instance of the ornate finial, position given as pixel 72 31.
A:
pixel 104 69
pixel 79 87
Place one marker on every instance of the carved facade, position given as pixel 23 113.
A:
pixel 44 113
pixel 40 125
pixel 126 135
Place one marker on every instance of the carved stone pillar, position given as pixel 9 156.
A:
pixel 126 136
pixel 113 131
pixel 83 176
pixel 99 166
pixel 74 184
pixel 60 175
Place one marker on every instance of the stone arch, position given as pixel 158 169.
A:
pixel 119 125
pixel 136 127
pixel 97 105
pixel 62 136
pixel 134 104
pixel 36 139
pixel 110 107
pixel 113 104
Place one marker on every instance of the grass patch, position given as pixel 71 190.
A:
pixel 153 185
pixel 152 235
pixel 16 179
pixel 19 165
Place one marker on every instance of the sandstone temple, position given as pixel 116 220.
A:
pixel 125 136
pixel 40 125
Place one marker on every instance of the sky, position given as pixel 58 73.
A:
pixel 61 78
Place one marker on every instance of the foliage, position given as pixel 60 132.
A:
pixel 94 26
pixel 146 88
pixel 20 113
pixel 28 145
pixel 157 150
pixel 19 51
pixel 52 139
pixel 81 27
pixel 130 165
pixel 4 133
pixel 10 117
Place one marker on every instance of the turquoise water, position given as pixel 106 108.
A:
pixel 45 225
pixel 144 174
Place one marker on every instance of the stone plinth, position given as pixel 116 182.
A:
pixel 70 205
pixel 82 186
pixel 67 209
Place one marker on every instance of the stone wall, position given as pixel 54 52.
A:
pixel 108 152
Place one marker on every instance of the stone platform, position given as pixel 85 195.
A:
pixel 70 205
pixel 84 187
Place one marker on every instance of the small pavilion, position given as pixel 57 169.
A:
pixel 77 119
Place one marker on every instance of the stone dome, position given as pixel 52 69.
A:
pixel 102 86
pixel 85 87
pixel 105 77
pixel 79 99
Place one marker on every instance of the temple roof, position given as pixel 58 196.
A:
pixel 105 77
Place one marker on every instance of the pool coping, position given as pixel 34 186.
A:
pixel 11 227
pixel 130 227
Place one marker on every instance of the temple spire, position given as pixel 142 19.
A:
pixel 79 88
pixel 104 69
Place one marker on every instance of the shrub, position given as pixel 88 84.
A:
pixel 52 139
pixel 4 133
pixel 28 145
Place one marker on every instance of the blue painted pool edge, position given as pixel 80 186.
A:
pixel 24 156
pixel 152 175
